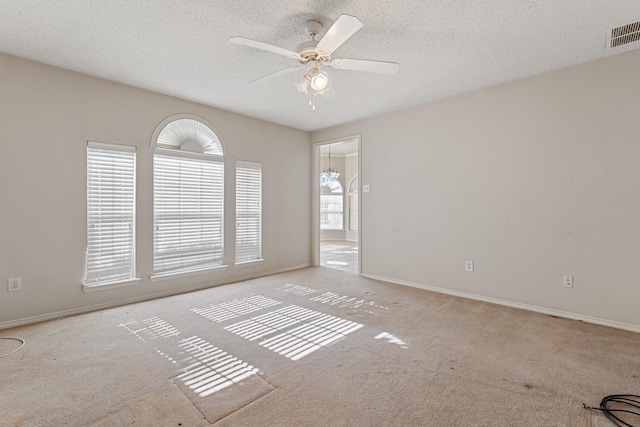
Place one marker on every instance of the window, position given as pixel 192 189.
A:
pixel 353 204
pixel 331 201
pixel 188 195
pixel 111 173
pixel 248 211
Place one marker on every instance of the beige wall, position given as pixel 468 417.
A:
pixel 531 180
pixel 46 117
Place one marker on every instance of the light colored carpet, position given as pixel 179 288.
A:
pixel 314 347
pixel 340 255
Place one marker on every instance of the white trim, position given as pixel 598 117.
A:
pixel 109 146
pixel 110 285
pixel 315 197
pixel 513 304
pixel 247 263
pixel 248 164
pixel 155 295
pixel 177 274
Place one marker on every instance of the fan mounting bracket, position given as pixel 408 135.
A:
pixel 312 28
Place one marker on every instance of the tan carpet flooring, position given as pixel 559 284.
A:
pixel 340 255
pixel 314 347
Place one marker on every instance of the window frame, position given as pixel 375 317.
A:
pixel 127 191
pixel 353 195
pixel 341 194
pixel 178 145
pixel 241 164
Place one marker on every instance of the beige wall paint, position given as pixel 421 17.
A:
pixel 46 117
pixel 531 180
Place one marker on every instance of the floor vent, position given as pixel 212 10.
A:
pixel 624 34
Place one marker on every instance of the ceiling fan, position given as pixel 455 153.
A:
pixel 313 55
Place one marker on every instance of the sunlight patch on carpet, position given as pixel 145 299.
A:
pixel 212 369
pixel 290 288
pixel 151 328
pixel 261 326
pixel 235 308
pixel 344 301
pixel 391 339
pixel 313 330
pixel 216 382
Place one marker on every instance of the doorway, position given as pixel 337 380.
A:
pixel 337 205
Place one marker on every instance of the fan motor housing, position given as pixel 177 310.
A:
pixel 307 50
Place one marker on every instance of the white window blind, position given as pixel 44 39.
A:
pixel 248 211
pixel 111 171
pixel 188 212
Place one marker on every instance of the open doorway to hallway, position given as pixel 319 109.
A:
pixel 339 205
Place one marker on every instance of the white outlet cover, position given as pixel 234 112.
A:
pixel 567 281
pixel 14 284
pixel 468 266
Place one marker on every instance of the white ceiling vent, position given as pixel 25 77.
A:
pixel 624 34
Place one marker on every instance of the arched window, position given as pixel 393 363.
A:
pixel 188 194
pixel 353 204
pixel 331 204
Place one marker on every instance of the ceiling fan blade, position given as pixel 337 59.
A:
pixel 366 65
pixel 264 46
pixel 344 27
pixel 276 74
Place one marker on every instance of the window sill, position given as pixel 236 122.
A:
pixel 248 263
pixel 177 274
pixel 110 285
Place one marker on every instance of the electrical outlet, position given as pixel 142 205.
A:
pixel 567 281
pixel 282 249
pixel 14 284
pixel 468 266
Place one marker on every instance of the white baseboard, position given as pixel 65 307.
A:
pixel 148 297
pixel 543 310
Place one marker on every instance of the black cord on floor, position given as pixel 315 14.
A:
pixel 625 404
pixel 15 339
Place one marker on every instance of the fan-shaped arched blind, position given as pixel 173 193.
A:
pixel 188 195
pixel 182 133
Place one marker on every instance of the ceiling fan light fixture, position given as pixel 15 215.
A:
pixel 313 54
pixel 318 80
pixel 303 86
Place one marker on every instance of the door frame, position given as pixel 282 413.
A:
pixel 315 192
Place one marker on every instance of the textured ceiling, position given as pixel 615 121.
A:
pixel 181 47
